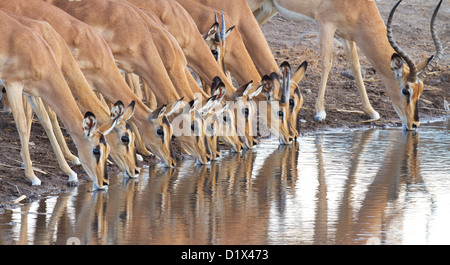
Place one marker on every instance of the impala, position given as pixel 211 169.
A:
pixel 152 46
pixel 122 148
pixel 144 47
pixel 222 117
pixel 181 26
pixel 359 23
pixel 215 39
pixel 32 70
pixel 237 59
pixel 98 66
pixel 189 128
pixel 242 116
pixel 288 95
pixel 250 33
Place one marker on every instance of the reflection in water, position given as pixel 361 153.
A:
pixel 376 186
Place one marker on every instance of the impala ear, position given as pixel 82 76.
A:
pixel 129 111
pixel 192 105
pixel 211 33
pixel 107 127
pixel 267 88
pixel 220 91
pixel 397 65
pixel 242 91
pixel 117 110
pixel 229 31
pixel 210 103
pixel 174 107
pixel 300 73
pixel 285 73
pixel 157 113
pixel 256 92
pixel 89 124
pixel 424 63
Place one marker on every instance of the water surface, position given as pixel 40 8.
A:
pixel 376 186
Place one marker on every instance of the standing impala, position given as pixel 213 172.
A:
pixel 27 65
pixel 358 22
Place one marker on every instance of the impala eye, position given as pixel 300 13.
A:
pixel 215 52
pixel 225 118
pixel 125 139
pixel 193 126
pixel 246 112
pixel 280 114
pixel 160 132
pixel 291 102
pixel 96 152
pixel 405 92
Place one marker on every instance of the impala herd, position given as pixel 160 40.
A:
pixel 67 59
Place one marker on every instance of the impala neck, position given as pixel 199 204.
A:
pixel 84 95
pixel 373 42
pixel 62 102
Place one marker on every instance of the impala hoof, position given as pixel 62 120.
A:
pixel 374 116
pixel 320 116
pixel 35 182
pixel 73 179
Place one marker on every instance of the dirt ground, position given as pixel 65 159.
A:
pixel 292 41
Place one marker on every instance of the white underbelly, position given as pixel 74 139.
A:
pixel 292 15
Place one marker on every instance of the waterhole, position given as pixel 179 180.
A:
pixel 374 186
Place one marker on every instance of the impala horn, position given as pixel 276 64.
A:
pixel 218 35
pixel 437 43
pixel 223 30
pixel 285 74
pixel 412 77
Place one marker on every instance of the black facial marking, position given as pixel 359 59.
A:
pixel 416 111
pixel 208 151
pixel 166 121
pixel 102 140
pixel 96 153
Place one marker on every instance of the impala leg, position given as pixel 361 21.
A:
pixel 41 113
pixel 134 84
pixel 150 98
pixel 352 54
pixel 265 12
pixel 60 137
pixel 326 50
pixel 14 92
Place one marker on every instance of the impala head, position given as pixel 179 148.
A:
pixel 279 107
pixel 190 132
pixel 215 39
pixel 121 140
pixel 296 98
pixel 245 112
pixel 159 134
pixel 211 126
pixel 225 118
pixel 227 127
pixel 93 156
pixel 409 76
